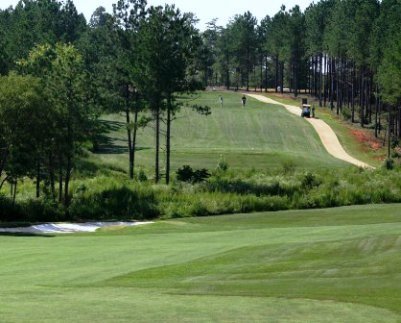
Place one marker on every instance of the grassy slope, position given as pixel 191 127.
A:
pixel 338 265
pixel 343 130
pixel 260 136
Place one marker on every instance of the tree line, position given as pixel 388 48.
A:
pixel 346 53
pixel 60 73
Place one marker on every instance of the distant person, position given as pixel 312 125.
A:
pixel 313 111
pixel 243 100
pixel 221 101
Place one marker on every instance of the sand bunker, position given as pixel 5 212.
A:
pixel 68 227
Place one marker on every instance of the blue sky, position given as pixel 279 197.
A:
pixel 205 10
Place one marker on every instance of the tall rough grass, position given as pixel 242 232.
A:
pixel 225 192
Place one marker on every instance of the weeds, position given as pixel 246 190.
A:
pixel 223 193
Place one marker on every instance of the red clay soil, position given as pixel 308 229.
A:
pixel 367 139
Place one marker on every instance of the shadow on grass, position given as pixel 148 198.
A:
pixel 26 234
pixel 106 144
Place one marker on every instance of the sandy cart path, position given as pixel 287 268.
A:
pixel 326 134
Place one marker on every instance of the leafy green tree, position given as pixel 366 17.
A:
pixel 317 17
pixel 167 47
pixel 390 71
pixel 225 55
pixel 25 123
pixel 296 46
pixel 262 51
pixel 277 45
pixel 72 23
pixel 243 29
pixel 62 74
pixel 66 91
pixel 128 15
pixel 5 57
pixel 207 54
pixel 98 48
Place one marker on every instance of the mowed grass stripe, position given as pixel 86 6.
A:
pixel 231 133
pixel 341 264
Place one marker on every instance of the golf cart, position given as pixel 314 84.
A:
pixel 306 109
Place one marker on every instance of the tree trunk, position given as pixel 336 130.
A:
pixel 157 137
pixel 15 191
pixel 52 177
pixel 3 181
pixel 282 77
pixel 227 70
pixel 168 146
pixel 331 84
pixel 276 81
pixel 129 134
pixel 38 179
pixel 67 183
pixel 361 101
pixel 377 111
pixel 353 80
pixel 3 160
pixel 320 78
pixel 261 73
pixel 134 135
pixel 60 181
pixel 389 135
pixel 266 75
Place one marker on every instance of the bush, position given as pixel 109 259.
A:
pixel 104 199
pixel 30 210
pixel 43 210
pixel 389 164
pixel 222 165
pixel 187 174
pixel 114 201
pixel 9 211
pixel 346 113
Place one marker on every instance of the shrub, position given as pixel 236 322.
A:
pixel 222 165
pixel 114 200
pixel 309 181
pixel 346 113
pixel 142 176
pixel 42 210
pixel 389 164
pixel 9 211
pixel 288 167
pixel 30 210
pixel 187 174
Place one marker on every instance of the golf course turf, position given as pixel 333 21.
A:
pixel 259 136
pixel 328 265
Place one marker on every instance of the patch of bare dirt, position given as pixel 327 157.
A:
pixel 366 138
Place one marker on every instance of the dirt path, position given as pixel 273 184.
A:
pixel 326 134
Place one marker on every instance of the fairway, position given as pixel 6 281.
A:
pixel 259 136
pixel 340 265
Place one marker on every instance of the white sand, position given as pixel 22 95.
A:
pixel 68 227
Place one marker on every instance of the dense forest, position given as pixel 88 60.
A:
pixel 60 73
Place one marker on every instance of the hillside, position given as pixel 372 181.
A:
pixel 257 136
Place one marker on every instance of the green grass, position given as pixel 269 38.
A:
pixel 343 130
pixel 331 265
pixel 260 136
